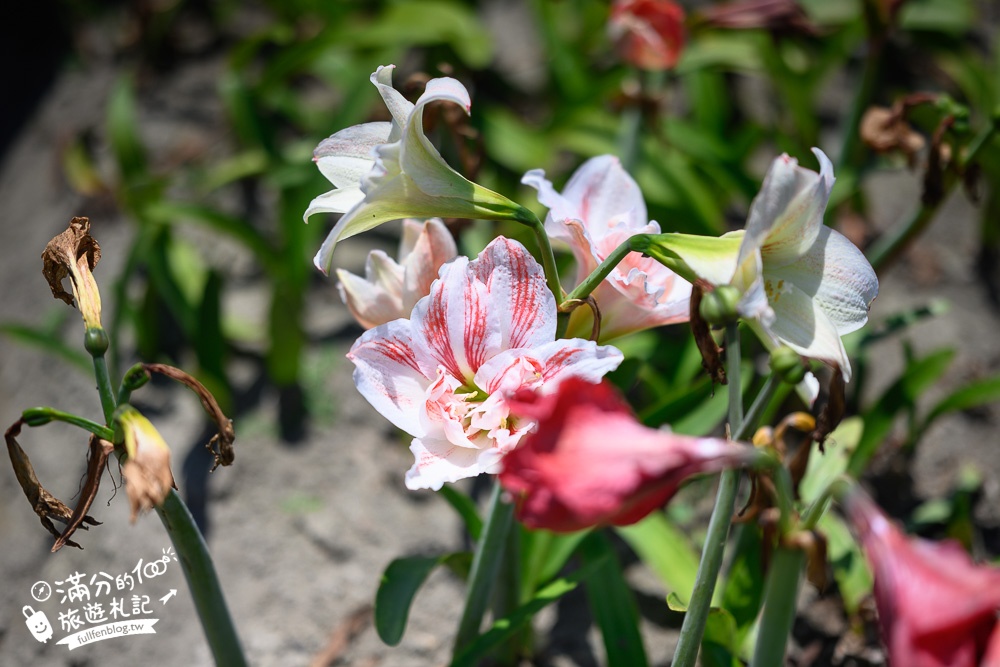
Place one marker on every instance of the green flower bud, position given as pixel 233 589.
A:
pixel 787 364
pixel 718 307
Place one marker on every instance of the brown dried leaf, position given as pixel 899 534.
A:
pixel 711 353
pixel 62 253
pixel 45 505
pixel 97 458
pixel 884 130
pixel 221 444
pixel 830 408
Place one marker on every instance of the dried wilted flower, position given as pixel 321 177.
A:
pixel 147 474
pixel 75 253
pixel 884 130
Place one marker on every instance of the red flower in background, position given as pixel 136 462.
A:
pixel 591 462
pixel 649 33
pixel 935 606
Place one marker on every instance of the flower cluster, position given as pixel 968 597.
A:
pixel 478 361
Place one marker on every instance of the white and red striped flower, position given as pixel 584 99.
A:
pixel 486 330
pixel 600 207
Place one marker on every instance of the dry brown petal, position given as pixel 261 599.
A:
pixel 711 353
pixel 884 130
pixel 148 480
pixel 221 444
pixel 97 458
pixel 62 254
pixel 830 408
pixel 45 505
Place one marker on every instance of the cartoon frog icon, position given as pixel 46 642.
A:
pixel 38 623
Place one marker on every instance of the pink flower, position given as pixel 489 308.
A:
pixel 600 207
pixel 486 330
pixel 936 607
pixel 390 289
pixel 590 462
pixel 649 33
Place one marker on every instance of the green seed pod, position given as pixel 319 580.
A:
pixel 95 341
pixel 787 364
pixel 718 307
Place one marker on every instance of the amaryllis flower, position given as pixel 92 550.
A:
pixel 590 462
pixel 936 607
pixel 649 34
pixel 389 171
pixel 801 283
pixel 600 207
pixel 390 289
pixel 486 330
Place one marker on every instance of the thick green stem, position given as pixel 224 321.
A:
pixel 202 581
pixel 485 566
pixel 545 249
pixel 40 416
pixel 693 627
pixel 780 596
pixel 104 389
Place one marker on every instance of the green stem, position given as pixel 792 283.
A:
pixel 696 616
pixel 780 596
pixel 485 566
pixel 815 512
pixel 104 389
pixel 757 408
pixel 39 416
pixel 528 218
pixel 202 581
pixel 850 151
pixel 593 281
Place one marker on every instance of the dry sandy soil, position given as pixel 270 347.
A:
pixel 300 534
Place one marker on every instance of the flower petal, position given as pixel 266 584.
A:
pixel 347 156
pixel 555 362
pixel 429 249
pixel 518 294
pixel 398 106
pixel 377 298
pixel 802 324
pixel 388 374
pixel 454 324
pixel 439 461
pixel 787 214
pixel 836 274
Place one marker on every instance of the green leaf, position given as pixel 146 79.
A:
pixel 123 131
pixel 465 508
pixel 665 549
pixel 903 393
pixel 849 568
pixel 400 583
pixel 612 605
pixel 506 627
pixel 948 16
pixel 48 337
pixel 744 589
pixel 543 555
pixel 970 396
pixel 719 645
pixel 826 467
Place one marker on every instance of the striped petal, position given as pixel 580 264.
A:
pixel 387 372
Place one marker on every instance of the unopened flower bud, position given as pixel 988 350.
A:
pixel 36 416
pixel 135 377
pixel 718 307
pixel 787 364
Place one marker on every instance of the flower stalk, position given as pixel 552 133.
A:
pixel 781 593
pixel 693 627
pixel 485 567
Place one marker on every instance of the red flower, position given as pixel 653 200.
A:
pixel 649 33
pixel 935 606
pixel 591 462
